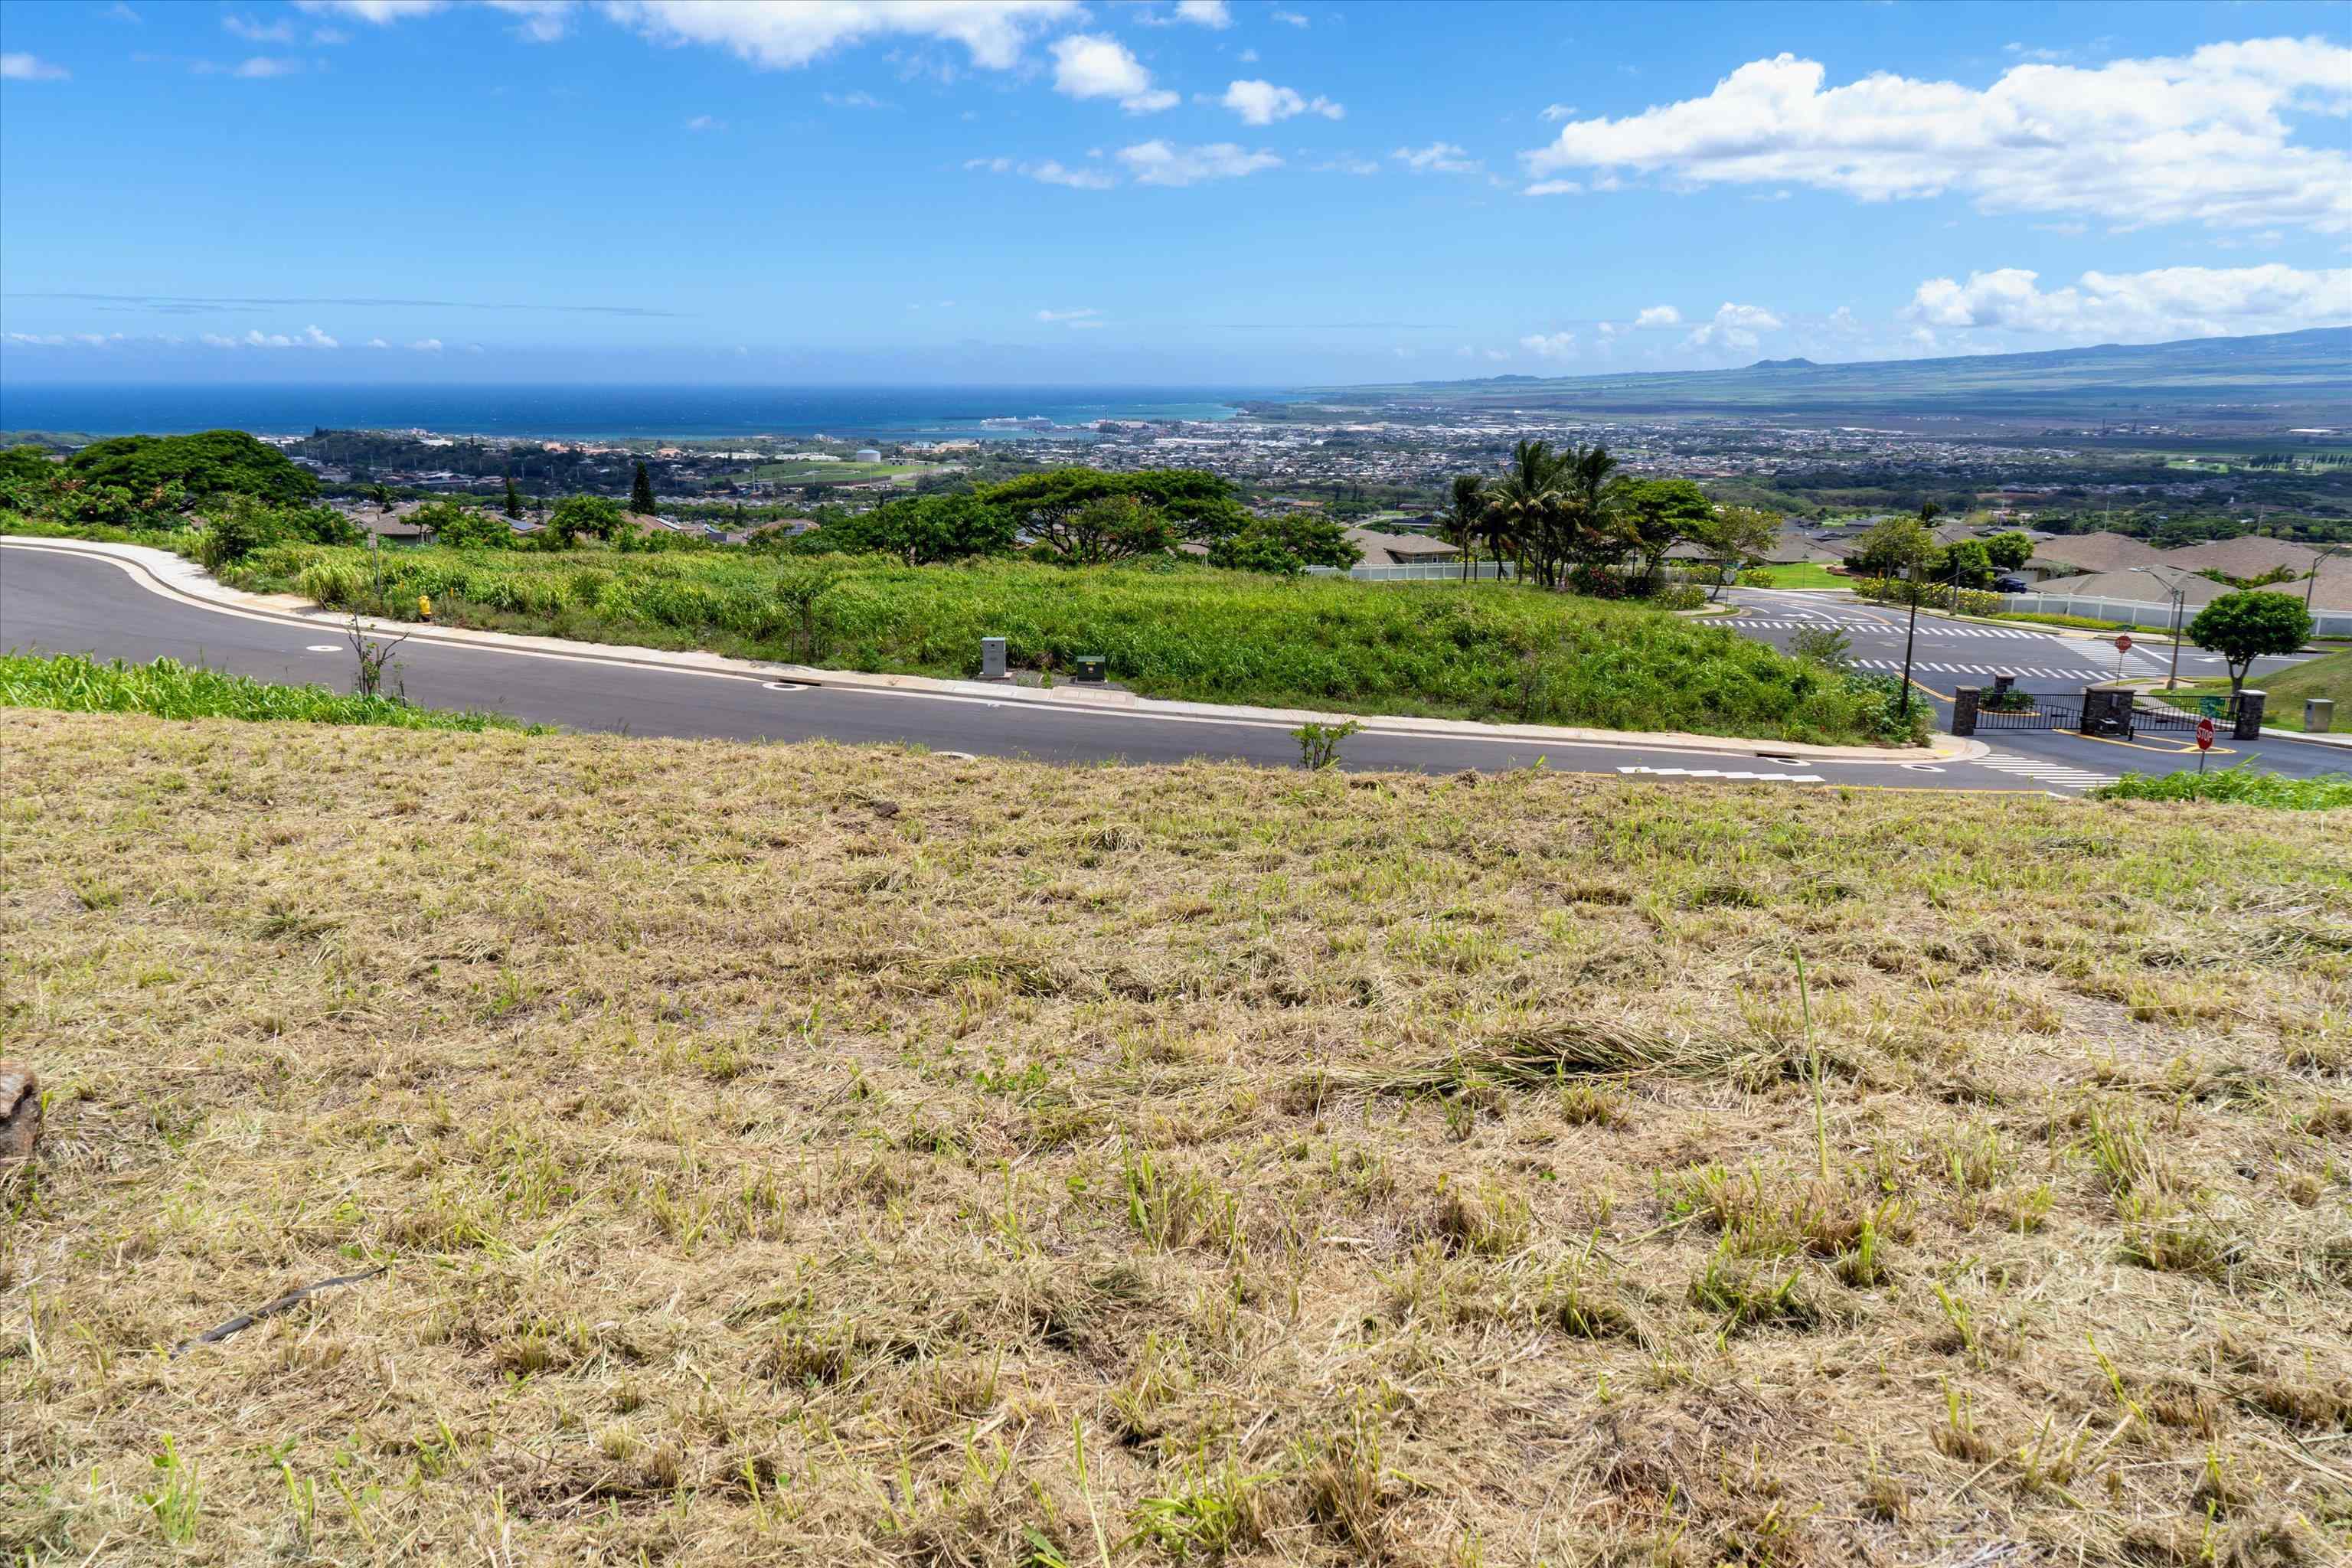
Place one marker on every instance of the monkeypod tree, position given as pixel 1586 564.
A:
pixel 2243 627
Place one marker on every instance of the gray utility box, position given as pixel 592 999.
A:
pixel 2318 715
pixel 1091 669
pixel 991 658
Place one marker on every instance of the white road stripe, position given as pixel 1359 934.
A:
pixel 1720 773
pixel 2058 774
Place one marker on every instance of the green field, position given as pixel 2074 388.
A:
pixel 1482 651
pixel 167 689
pixel 1802 575
pixel 835 473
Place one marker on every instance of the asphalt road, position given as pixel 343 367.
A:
pixel 1948 654
pixel 57 603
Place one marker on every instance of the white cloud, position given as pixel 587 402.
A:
pixel 1204 13
pixel 1291 17
pixel 1437 158
pixel 38 340
pixel 781 36
pixel 1553 188
pixel 252 31
pixel 1049 172
pixel 426 345
pixel 1346 165
pixel 1659 316
pixel 2168 302
pixel 262 66
pixel 543 21
pixel 377 344
pixel 854 100
pixel 1158 163
pixel 540 21
pixel 705 122
pixel 474 349
pixel 1559 345
pixel 1079 314
pixel 2202 137
pixel 1558 112
pixel 18 67
pixel 312 338
pixel 1262 103
pixel 380 12
pixel 1734 327
pixel 1087 66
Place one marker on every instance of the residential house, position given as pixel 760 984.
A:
pixel 2071 555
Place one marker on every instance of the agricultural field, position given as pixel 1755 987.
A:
pixel 1479 650
pixel 836 473
pixel 812 1155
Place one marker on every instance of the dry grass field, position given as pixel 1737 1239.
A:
pixel 811 1155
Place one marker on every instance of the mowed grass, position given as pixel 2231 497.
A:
pixel 167 689
pixel 2285 691
pixel 1485 651
pixel 815 1155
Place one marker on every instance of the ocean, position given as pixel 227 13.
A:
pixel 675 413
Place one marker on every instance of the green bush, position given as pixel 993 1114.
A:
pixel 1679 596
pixel 1483 650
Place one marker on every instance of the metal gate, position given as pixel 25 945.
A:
pixel 2040 710
pixel 2154 713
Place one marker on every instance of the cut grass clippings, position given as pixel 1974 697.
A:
pixel 804 1154
pixel 167 689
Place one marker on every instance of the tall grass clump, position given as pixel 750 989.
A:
pixel 170 690
pixel 2241 786
pixel 1487 651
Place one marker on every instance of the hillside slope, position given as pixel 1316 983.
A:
pixel 2278 379
pixel 794 1154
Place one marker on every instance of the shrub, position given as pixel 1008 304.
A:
pixel 2241 786
pixel 170 690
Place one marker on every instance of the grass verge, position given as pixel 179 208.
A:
pixel 1487 651
pixel 2328 676
pixel 2241 786
pixel 802 1154
pixel 167 689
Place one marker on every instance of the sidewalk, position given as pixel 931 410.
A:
pixel 176 577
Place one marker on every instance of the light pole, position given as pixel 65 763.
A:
pixel 2179 600
pixel 2327 552
pixel 1908 634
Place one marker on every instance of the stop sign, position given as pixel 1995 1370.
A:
pixel 2123 642
pixel 2204 734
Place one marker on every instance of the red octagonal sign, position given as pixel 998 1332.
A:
pixel 2204 734
pixel 2123 642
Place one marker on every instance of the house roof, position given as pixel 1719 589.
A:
pixel 2247 556
pixel 2097 552
pixel 2141 587
pixel 1399 549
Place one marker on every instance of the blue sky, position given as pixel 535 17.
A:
pixel 1238 194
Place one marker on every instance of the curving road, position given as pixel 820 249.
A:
pixel 57 603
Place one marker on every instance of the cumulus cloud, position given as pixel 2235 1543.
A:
pixel 1288 19
pixel 1556 345
pixel 1437 158
pixel 1733 327
pixel 1553 188
pixel 260 68
pixel 1262 103
pixel 20 67
pixel 1204 13
pixel 856 100
pixel 1088 66
pixel 1556 112
pixel 2168 302
pixel 1157 163
pixel 377 344
pixel 1078 314
pixel 2201 137
pixel 38 340
pixel 773 38
pixel 426 345
pixel 1659 316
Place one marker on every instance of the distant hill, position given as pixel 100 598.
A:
pixel 2281 379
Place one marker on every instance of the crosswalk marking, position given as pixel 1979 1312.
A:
pixel 1931 628
pixel 1720 773
pixel 2039 671
pixel 2059 775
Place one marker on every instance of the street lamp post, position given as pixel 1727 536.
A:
pixel 2326 552
pixel 2179 601
pixel 1910 632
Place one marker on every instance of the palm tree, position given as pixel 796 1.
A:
pixel 1460 525
pixel 1523 506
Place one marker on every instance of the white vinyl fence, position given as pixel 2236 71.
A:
pixel 1433 572
pixel 2328 622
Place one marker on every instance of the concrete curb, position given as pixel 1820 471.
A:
pixel 177 577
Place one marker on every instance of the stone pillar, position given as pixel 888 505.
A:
pixel 1964 708
pixel 2249 715
pixel 2107 710
pixel 991 658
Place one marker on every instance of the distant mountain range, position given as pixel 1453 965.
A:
pixel 2280 381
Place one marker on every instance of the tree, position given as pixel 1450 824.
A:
pixel 462 527
pixel 1964 564
pixel 1523 506
pixel 1459 527
pixel 514 498
pixel 641 492
pixel 920 531
pixel 206 463
pixel 1659 514
pixel 1086 516
pixel 1287 544
pixel 1735 537
pixel 1891 549
pixel 591 515
pixel 2245 626
pixel 2010 549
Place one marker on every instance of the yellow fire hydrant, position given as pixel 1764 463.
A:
pixel 424 606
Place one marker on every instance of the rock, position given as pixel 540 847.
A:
pixel 20 1112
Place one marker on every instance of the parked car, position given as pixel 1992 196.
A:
pixel 2011 586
